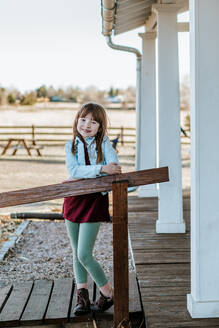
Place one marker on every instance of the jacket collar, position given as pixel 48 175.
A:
pixel 88 140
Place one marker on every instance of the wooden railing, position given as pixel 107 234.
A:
pixel 56 135
pixel 118 184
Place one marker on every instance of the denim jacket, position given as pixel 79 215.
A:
pixel 76 165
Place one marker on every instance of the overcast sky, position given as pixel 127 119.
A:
pixel 59 43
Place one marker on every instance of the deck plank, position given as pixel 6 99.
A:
pixel 60 301
pixel 37 304
pixel 174 314
pixel 4 295
pixel 134 299
pixel 161 256
pixel 15 304
pixel 162 269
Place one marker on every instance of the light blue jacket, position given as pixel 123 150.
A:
pixel 76 165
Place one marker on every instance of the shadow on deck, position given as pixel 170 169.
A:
pixel 163 267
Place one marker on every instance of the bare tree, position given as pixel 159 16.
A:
pixel 91 93
pixel 185 94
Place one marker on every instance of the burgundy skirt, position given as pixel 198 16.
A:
pixel 87 208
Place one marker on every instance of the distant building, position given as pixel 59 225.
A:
pixel 113 99
pixel 61 99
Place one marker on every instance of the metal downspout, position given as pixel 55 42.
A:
pixel 138 94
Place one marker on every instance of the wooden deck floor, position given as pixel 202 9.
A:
pixel 44 302
pixel 163 267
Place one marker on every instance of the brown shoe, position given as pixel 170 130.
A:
pixel 83 303
pixel 102 304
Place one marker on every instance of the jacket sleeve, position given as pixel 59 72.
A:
pixel 79 171
pixel 109 152
pixel 111 157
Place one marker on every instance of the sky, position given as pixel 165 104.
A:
pixel 59 43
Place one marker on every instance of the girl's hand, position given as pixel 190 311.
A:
pixel 111 168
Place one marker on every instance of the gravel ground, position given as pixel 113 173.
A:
pixel 7 228
pixel 44 252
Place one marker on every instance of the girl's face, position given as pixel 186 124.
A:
pixel 87 127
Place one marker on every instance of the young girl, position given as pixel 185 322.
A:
pixel 89 155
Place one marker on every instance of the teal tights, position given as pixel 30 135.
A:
pixel 82 237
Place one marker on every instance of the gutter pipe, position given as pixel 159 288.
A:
pixel 138 94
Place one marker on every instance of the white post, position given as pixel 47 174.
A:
pixel 148 110
pixel 203 302
pixel 170 211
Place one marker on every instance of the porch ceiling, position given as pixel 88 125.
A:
pixel 131 14
pixel 122 16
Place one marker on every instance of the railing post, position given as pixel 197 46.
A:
pixel 33 135
pixel 122 135
pixel 120 254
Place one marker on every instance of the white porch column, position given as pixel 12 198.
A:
pixel 148 111
pixel 170 219
pixel 203 302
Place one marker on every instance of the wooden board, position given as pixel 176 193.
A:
pixel 140 242
pixel 180 281
pixel 37 304
pixel 59 304
pixel 134 297
pixel 174 314
pixel 161 257
pixel 81 187
pixel 4 295
pixel 163 270
pixel 160 292
pixel 135 216
pixel 184 324
pixel 13 309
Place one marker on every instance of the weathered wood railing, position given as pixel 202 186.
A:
pixel 118 184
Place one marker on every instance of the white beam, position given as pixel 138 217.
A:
pixel 151 24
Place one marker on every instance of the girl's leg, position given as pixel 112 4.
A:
pixel 79 271
pixel 87 237
pixel 107 290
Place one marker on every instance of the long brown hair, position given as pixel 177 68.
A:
pixel 99 115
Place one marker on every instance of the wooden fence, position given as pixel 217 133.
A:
pixel 56 135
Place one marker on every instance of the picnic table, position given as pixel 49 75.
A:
pixel 21 143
